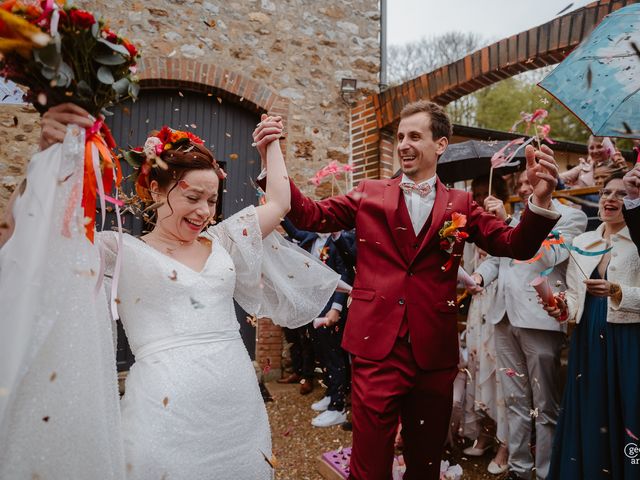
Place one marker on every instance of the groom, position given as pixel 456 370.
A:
pixel 401 329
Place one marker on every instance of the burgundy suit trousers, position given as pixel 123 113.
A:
pixel 393 389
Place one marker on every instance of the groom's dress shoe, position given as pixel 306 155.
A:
pixel 292 378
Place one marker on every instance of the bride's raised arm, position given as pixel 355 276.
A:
pixel 278 193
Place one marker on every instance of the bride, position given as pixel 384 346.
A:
pixel 192 407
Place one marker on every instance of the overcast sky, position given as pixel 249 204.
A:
pixel 410 20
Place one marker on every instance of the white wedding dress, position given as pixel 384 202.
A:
pixel 192 407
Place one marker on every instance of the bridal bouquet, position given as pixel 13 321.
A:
pixel 64 54
pixel 61 53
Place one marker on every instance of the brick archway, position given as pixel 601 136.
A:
pixel 540 46
pixel 162 72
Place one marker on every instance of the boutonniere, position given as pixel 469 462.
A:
pixel 324 254
pixel 450 235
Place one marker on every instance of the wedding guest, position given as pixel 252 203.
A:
pixel 602 171
pixel 600 413
pixel 484 407
pixel 327 338
pixel 401 329
pixel 528 344
pixel 302 358
pixel 600 151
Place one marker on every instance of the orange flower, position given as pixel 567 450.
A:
pixel 458 220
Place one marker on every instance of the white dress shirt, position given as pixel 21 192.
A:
pixel 419 207
pixel 318 244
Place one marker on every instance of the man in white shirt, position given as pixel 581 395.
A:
pixel 528 342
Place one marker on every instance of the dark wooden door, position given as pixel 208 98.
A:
pixel 226 129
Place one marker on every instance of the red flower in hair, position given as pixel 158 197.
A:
pixel 194 138
pixel 133 51
pixel 165 134
pixel 82 18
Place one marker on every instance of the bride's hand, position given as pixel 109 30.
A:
pixel 268 130
pixel 54 123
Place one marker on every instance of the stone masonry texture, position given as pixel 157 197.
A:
pixel 298 49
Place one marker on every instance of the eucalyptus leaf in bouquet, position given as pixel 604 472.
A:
pixel 61 53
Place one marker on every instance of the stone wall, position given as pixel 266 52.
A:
pixel 299 49
pixel 19 132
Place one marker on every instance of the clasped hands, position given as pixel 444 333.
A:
pixel 269 130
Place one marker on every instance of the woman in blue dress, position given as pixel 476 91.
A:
pixel 599 426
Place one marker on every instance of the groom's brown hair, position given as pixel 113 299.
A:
pixel 440 123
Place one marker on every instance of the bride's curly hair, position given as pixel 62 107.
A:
pixel 186 157
pixel 166 157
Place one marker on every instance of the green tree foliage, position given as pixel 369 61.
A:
pixel 498 107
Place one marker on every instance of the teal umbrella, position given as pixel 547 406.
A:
pixel 600 80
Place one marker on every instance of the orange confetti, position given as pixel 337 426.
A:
pixel 165 401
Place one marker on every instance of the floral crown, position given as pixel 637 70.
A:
pixel 145 158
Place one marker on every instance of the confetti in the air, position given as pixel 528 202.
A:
pixel 195 304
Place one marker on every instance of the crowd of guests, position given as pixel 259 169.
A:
pixel 514 398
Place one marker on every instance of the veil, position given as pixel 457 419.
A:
pixel 59 414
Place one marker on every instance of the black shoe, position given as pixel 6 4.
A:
pixel 347 426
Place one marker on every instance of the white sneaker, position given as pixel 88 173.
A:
pixel 329 418
pixel 321 405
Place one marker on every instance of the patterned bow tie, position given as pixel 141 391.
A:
pixel 423 189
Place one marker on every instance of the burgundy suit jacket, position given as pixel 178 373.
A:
pixel 396 278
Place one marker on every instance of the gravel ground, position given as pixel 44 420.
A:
pixel 297 445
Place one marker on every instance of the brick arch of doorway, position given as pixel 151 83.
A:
pixel 207 78
pixel 374 118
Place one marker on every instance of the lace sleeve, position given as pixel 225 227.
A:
pixel 274 278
